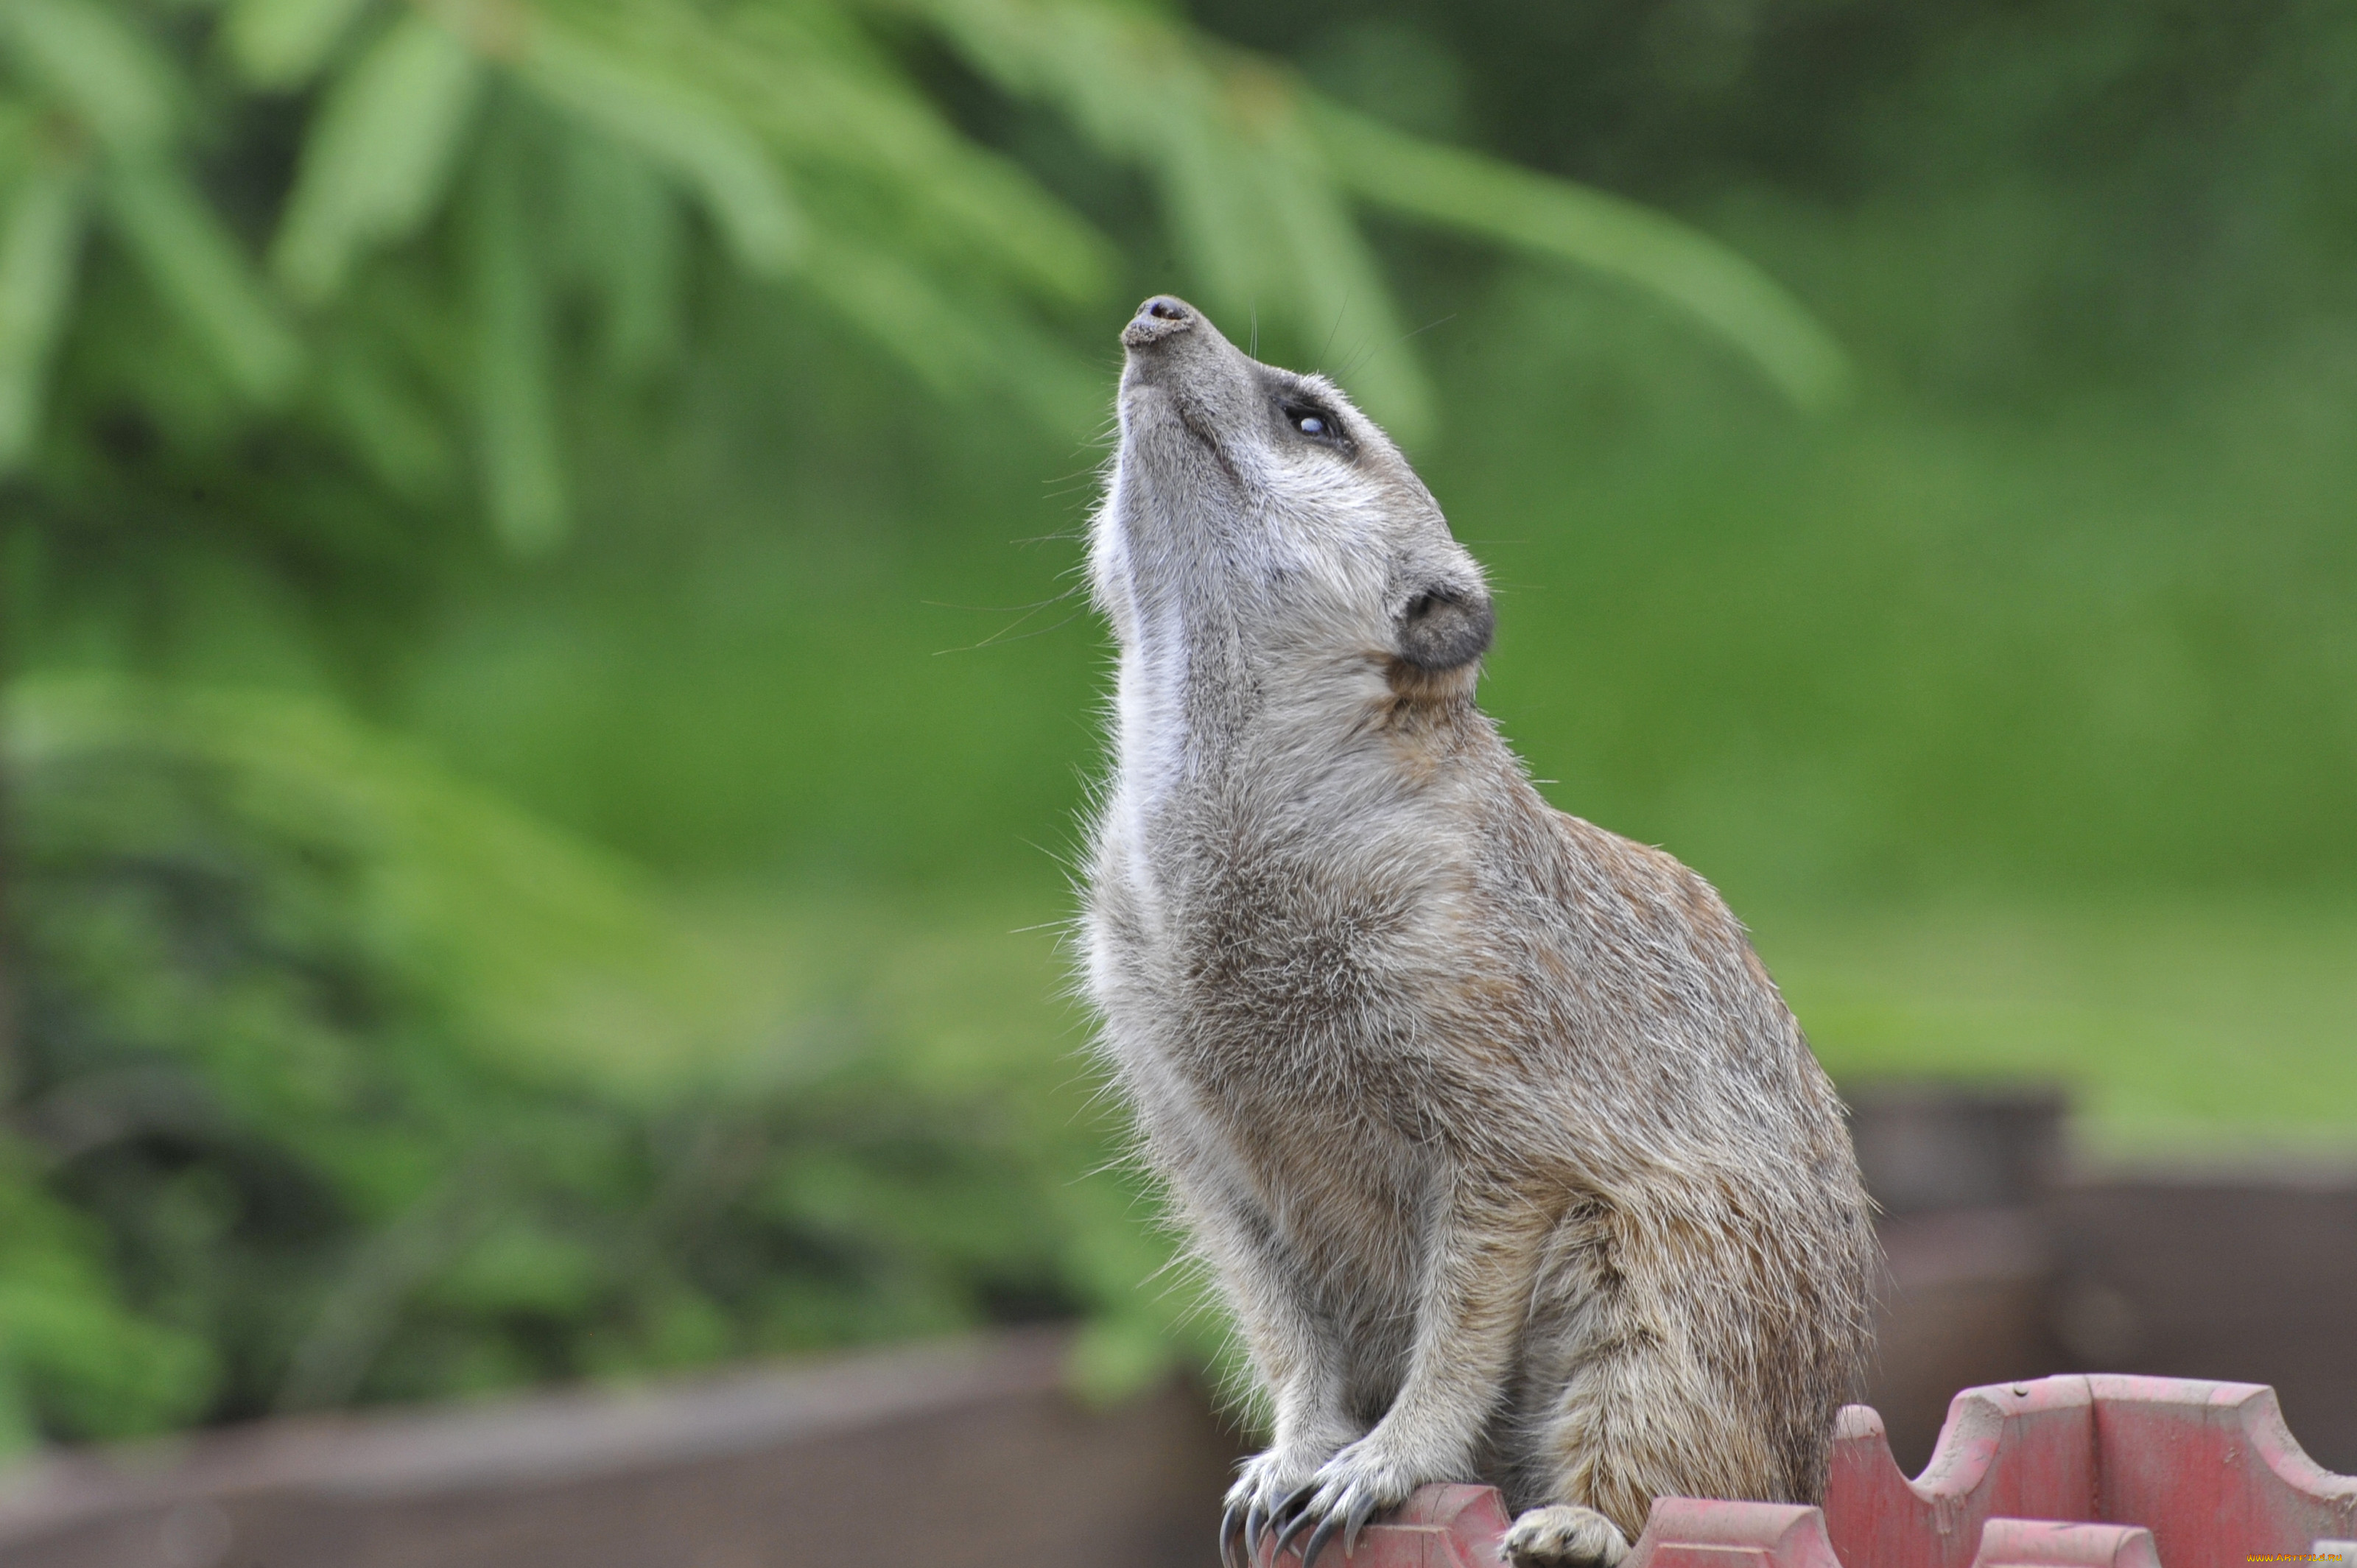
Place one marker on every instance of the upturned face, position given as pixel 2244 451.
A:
pixel 1255 521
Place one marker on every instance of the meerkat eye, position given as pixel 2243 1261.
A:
pixel 1314 422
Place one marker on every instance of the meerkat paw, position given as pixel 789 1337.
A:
pixel 1564 1535
pixel 1270 1487
pixel 1348 1489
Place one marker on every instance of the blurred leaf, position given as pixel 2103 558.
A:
pixel 379 155
pixel 196 266
pixel 453 1101
pixel 392 427
pixel 683 132
pixel 523 464
pixel 281 44
pixel 1561 221
pixel 952 343
pixel 41 234
pixel 827 98
pixel 1252 167
pixel 564 965
pixel 627 240
pixel 1246 192
pixel 815 149
pixel 362 1307
pixel 109 76
pixel 69 1349
pixel 1340 281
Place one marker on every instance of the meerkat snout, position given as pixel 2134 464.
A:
pixel 1159 319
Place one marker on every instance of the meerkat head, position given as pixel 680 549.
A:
pixel 1255 518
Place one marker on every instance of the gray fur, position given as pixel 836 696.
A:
pixel 1500 1141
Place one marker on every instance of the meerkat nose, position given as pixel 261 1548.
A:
pixel 1159 320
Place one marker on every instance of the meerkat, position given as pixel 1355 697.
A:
pixel 1498 1141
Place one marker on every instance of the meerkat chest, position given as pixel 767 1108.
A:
pixel 1291 966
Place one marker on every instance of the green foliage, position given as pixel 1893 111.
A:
pixel 1615 237
pixel 2088 647
pixel 476 189
pixel 75 1362
pixel 2210 1028
pixel 337 1081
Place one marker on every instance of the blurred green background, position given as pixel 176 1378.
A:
pixel 548 700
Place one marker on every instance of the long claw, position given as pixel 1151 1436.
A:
pixel 1360 1511
pixel 1319 1537
pixel 1255 1517
pixel 1303 1516
pixel 1232 1527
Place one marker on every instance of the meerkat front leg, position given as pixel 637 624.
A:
pixel 1300 1355
pixel 1300 1359
pixel 1483 1253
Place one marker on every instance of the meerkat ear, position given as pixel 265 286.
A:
pixel 1446 628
